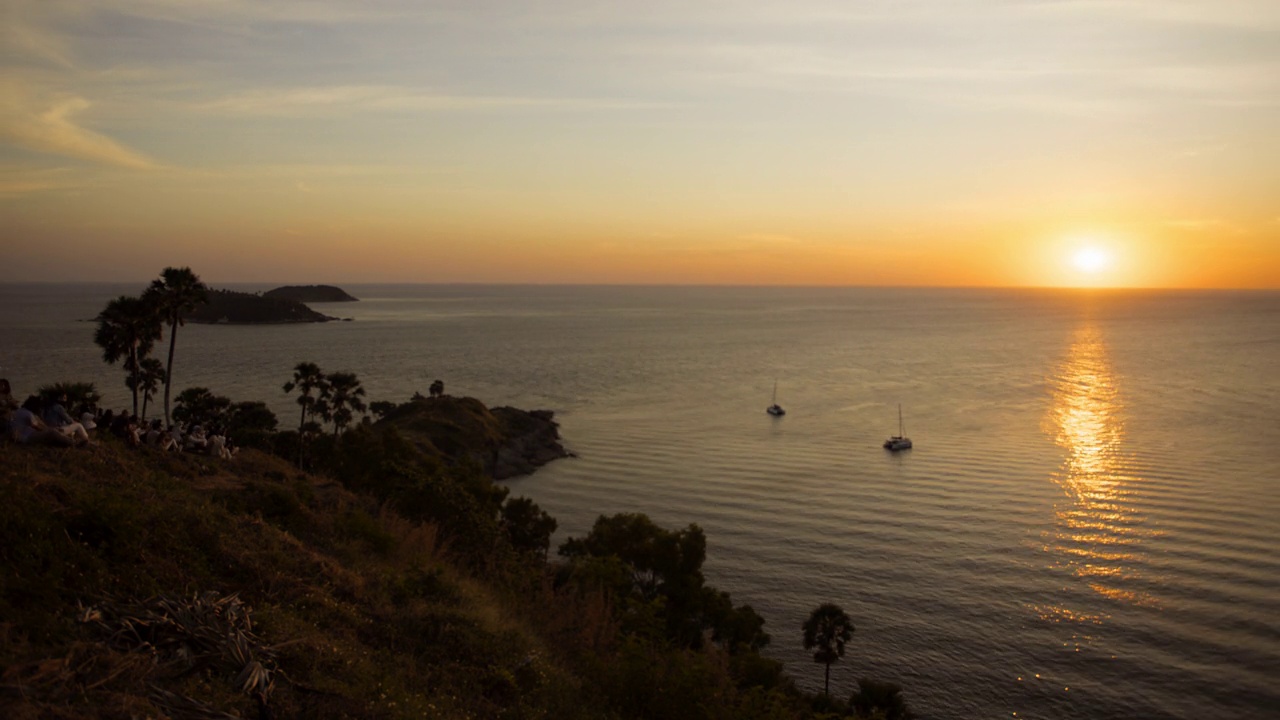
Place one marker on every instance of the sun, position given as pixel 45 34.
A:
pixel 1091 260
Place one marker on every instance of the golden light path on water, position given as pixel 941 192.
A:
pixel 1098 533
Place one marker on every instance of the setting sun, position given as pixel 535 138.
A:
pixel 1091 260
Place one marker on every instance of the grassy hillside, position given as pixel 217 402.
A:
pixel 140 584
pixel 362 611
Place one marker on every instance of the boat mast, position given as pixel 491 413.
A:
pixel 900 432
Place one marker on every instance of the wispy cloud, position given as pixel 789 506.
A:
pixel 47 125
pixel 381 98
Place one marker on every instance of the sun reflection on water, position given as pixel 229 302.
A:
pixel 1098 533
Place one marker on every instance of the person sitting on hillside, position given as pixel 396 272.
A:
pixel 55 416
pixel 217 445
pixel 157 437
pixel 152 436
pixel 132 433
pixel 195 441
pixel 89 422
pixel 25 426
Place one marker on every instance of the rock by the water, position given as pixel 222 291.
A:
pixel 239 308
pixel 505 441
pixel 310 294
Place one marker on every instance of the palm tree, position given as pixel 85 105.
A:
pixel 175 293
pixel 147 380
pixel 827 629
pixel 344 399
pixel 127 329
pixel 307 378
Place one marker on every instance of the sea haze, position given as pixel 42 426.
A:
pixel 1088 526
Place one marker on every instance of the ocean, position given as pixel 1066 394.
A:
pixel 1088 526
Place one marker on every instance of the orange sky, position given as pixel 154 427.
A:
pixel 742 143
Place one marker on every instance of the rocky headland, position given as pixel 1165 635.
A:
pixel 504 441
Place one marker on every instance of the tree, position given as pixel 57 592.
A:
pixel 199 406
pixel 874 699
pixel 528 526
pixel 174 294
pixel 311 385
pixel 381 408
pixel 343 399
pixel 436 389
pixel 127 329
pixel 665 568
pixel 147 380
pixel 251 424
pixel 827 629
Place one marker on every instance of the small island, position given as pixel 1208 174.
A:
pixel 310 294
pixel 240 308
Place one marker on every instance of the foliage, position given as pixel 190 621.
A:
pixel 199 406
pixel 127 330
pixel 378 461
pixel 879 700
pixel 311 385
pixel 658 575
pixel 342 396
pixel 528 527
pixel 826 632
pixel 148 379
pixel 251 424
pixel 81 396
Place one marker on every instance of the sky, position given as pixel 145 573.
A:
pixel 1131 143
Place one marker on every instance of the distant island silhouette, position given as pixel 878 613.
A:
pixel 241 308
pixel 310 294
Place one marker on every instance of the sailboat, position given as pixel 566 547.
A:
pixel 899 441
pixel 775 409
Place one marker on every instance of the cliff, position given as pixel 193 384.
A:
pixel 238 308
pixel 503 441
pixel 310 294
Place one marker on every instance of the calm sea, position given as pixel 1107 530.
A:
pixel 1088 526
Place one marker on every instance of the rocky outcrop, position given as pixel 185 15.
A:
pixel 238 308
pixel 504 441
pixel 310 294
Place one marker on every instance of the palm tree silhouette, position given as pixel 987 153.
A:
pixel 127 329
pixel 147 380
pixel 175 293
pixel 344 399
pixel 307 378
pixel 827 629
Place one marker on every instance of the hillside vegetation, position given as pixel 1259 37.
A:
pixel 395 581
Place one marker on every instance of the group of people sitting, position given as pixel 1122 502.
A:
pixel 180 437
pixel 42 422
pixel 37 421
